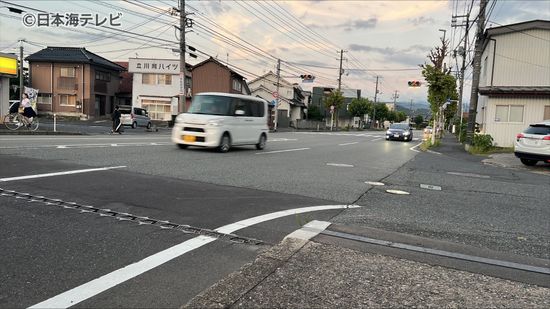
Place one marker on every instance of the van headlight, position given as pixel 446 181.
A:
pixel 215 123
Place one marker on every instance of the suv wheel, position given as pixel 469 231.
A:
pixel 134 125
pixel 148 126
pixel 528 162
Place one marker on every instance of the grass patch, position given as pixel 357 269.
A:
pixel 491 150
pixel 427 144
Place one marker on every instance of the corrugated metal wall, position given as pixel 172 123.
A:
pixel 521 59
pixel 504 133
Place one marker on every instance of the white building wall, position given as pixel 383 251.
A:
pixel 520 59
pixel 504 133
pixel 156 92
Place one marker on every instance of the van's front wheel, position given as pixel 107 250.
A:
pixel 225 143
pixel 261 143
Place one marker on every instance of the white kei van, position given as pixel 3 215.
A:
pixel 222 120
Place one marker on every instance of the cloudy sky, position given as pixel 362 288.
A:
pixel 388 39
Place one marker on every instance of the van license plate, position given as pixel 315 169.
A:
pixel 189 138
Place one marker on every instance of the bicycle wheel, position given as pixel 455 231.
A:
pixel 34 124
pixel 12 121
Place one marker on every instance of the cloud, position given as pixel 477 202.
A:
pixel 358 24
pixel 418 21
pixel 365 48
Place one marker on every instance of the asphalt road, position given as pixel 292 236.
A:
pixel 62 253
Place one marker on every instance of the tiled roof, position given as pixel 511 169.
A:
pixel 72 54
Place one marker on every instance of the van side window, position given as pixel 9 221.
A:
pixel 256 108
pixel 242 105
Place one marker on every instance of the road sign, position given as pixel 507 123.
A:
pixel 275 94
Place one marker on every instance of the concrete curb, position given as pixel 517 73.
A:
pixel 229 290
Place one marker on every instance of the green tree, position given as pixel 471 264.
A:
pixel 359 107
pixel 335 99
pixel 381 112
pixel 400 117
pixel 418 120
pixel 441 84
pixel 392 116
pixel 314 112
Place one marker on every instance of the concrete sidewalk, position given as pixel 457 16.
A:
pixel 302 273
pixel 322 271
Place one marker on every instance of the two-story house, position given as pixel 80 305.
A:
pixel 73 81
pixel 514 88
pixel 156 86
pixel 213 76
pixel 292 98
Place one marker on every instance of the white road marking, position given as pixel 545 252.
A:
pixel 339 165
pixel 60 173
pixel 376 139
pixel 468 175
pixel 103 283
pixel 399 192
pixel 434 152
pixel 309 230
pixel 413 147
pixel 286 150
pixel 430 187
pixel 345 144
pixel 282 139
pixel 76 146
pixel 375 183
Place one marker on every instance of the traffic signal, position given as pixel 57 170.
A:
pixel 307 77
pixel 414 83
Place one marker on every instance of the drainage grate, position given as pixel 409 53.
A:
pixel 122 216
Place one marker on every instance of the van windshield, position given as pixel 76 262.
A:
pixel 211 105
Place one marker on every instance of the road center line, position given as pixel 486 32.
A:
pixel 278 151
pixel 345 144
pixel 103 283
pixel 60 173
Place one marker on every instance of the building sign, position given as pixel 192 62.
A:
pixel 8 64
pixel 160 66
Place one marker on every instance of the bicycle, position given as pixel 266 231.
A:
pixel 14 121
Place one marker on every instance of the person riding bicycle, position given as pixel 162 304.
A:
pixel 28 111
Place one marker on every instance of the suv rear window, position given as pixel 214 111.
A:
pixel 538 130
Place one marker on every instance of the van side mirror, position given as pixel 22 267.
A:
pixel 239 112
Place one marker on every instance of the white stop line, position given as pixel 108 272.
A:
pixel 101 284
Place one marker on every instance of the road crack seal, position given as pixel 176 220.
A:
pixel 122 216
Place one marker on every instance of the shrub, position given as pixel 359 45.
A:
pixel 483 142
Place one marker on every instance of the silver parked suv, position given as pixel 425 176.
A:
pixel 533 144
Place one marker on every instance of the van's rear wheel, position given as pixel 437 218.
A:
pixel 182 146
pixel 261 143
pixel 528 162
pixel 134 125
pixel 225 143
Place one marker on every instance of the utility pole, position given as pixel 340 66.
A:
pixel 476 71
pixel 277 95
pixel 21 90
pixel 183 69
pixel 463 68
pixel 340 70
pixel 395 96
pixel 374 105
pixel 410 111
